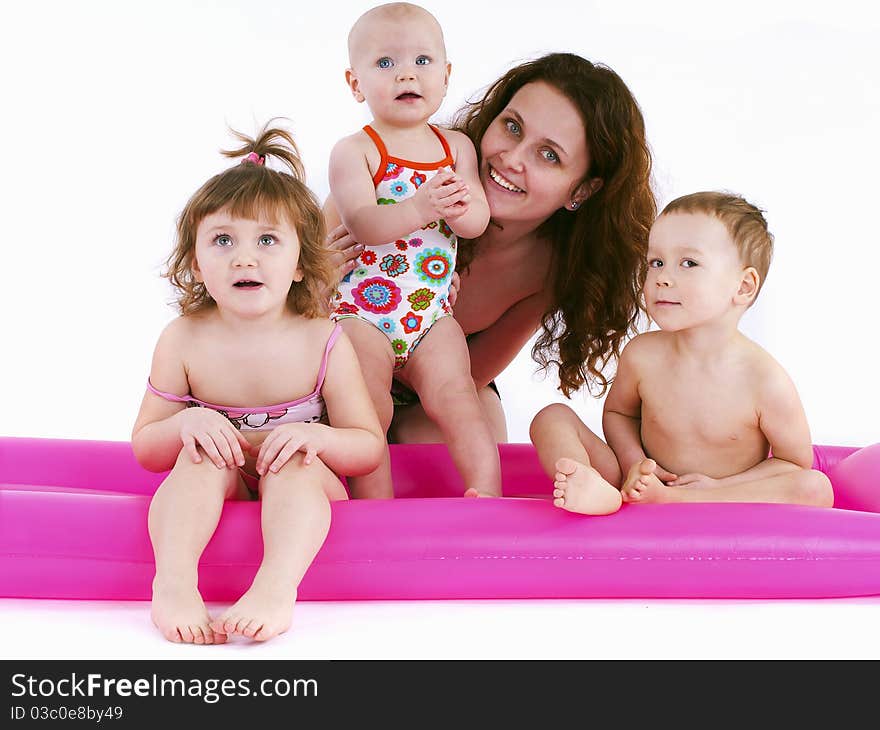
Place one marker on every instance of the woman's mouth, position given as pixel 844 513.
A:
pixel 502 181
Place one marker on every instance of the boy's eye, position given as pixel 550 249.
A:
pixel 423 61
pixel 550 156
pixel 385 62
pixel 689 263
pixel 512 127
pixel 223 240
pixel 267 240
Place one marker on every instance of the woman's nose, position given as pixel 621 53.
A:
pixel 513 158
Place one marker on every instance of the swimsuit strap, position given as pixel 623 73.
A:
pixel 334 335
pixel 384 157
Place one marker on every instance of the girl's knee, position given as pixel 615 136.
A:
pixel 296 474
pixel 551 416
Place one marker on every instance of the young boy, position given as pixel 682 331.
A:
pixel 697 411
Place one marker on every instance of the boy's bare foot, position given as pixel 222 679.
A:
pixel 643 485
pixel 580 488
pixel 260 614
pixel 179 612
pixel 472 492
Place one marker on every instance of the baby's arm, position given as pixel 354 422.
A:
pixel 473 217
pixel 354 193
pixel 353 443
pixel 163 428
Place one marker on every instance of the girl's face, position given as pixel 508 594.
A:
pixel 534 155
pixel 247 266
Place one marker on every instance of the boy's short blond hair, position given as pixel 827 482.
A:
pixel 744 222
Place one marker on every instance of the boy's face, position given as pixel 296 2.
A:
pixel 695 275
pixel 399 67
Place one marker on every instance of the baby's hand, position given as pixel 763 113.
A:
pixel 445 196
pixel 693 480
pixel 285 441
pixel 220 440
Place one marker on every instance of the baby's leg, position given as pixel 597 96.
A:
pixel 376 360
pixel 183 515
pixel 439 371
pixel 295 518
pixel 583 466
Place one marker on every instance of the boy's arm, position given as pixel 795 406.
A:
pixel 473 221
pixel 622 413
pixel 353 191
pixel 354 442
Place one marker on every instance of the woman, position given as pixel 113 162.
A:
pixel 566 170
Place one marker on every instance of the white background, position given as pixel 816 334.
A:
pixel 113 114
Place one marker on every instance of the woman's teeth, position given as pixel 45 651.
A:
pixel 503 182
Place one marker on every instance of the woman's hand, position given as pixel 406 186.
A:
pixel 344 250
pixel 454 286
pixel 284 441
pixel 220 440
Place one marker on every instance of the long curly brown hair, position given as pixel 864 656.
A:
pixel 249 190
pixel 598 250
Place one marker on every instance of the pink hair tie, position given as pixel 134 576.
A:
pixel 255 158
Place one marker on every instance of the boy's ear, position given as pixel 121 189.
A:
pixel 352 80
pixel 748 286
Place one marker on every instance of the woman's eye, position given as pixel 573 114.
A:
pixel 423 61
pixel 385 62
pixel 512 127
pixel 550 156
pixel 267 240
pixel 223 240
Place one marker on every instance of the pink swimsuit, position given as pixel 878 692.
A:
pixel 308 409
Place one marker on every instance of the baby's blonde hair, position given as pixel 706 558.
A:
pixel 249 190
pixel 744 222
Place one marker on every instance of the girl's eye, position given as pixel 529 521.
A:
pixel 550 156
pixel 423 61
pixel 223 240
pixel 655 263
pixel 512 127
pixel 267 240
pixel 385 62
pixel 689 263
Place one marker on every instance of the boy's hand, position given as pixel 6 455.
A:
pixel 220 440
pixel 444 196
pixel 285 441
pixel 693 480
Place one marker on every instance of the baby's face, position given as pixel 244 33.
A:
pixel 694 271
pixel 399 66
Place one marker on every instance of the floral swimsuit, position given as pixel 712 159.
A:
pixel 402 287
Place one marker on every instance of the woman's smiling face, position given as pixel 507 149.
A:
pixel 534 156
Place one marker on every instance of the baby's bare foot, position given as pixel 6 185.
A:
pixel 473 492
pixel 643 485
pixel 259 614
pixel 580 488
pixel 179 612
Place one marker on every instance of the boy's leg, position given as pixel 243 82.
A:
pixel 583 467
pixel 439 371
pixel 376 360
pixel 798 486
pixel 183 515
pixel 295 518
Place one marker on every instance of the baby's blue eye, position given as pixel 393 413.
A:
pixel 267 240
pixel 512 126
pixel 423 61
pixel 223 240
pixel 385 62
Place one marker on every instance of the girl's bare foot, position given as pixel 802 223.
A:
pixel 260 614
pixel 472 492
pixel 580 488
pixel 179 612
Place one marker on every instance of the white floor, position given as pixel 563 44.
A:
pixel 588 629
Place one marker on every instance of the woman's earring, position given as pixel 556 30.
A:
pixel 574 205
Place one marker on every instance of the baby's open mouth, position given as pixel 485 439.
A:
pixel 408 96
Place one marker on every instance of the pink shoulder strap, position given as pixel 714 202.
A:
pixel 334 335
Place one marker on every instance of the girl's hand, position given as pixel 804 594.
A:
pixel 444 196
pixel 218 438
pixel 285 441
pixel 693 480
pixel 344 250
